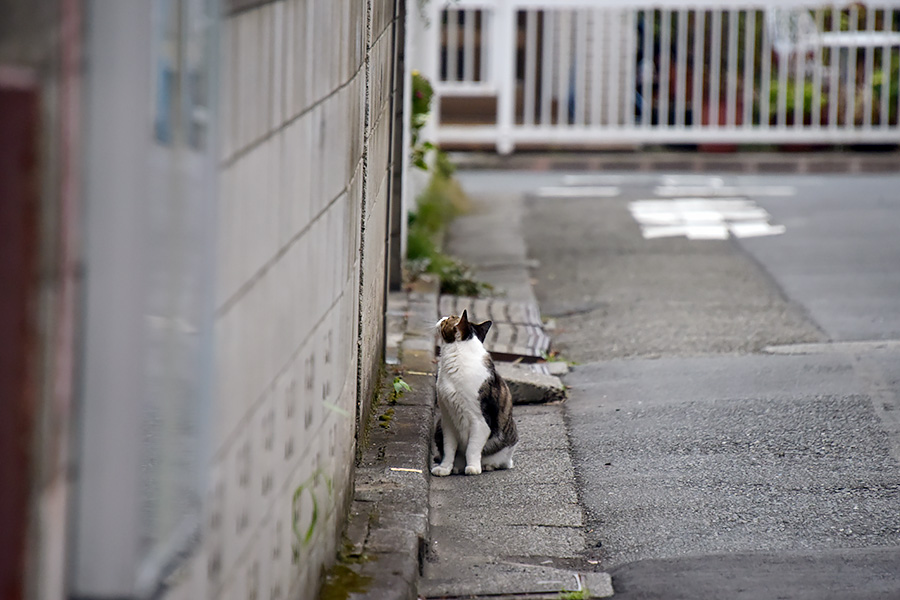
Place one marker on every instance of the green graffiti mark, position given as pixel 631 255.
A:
pixel 309 486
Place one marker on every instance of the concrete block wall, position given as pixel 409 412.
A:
pixel 302 222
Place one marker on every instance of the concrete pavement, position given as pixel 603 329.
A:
pixel 516 532
pixel 733 422
pixel 722 439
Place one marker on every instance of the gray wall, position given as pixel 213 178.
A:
pixel 231 331
pixel 215 300
pixel 302 215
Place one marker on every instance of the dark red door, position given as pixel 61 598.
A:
pixel 19 112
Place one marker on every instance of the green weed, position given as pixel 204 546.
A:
pixel 582 594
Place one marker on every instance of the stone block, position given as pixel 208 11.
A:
pixel 418 360
pixel 530 387
pixel 598 584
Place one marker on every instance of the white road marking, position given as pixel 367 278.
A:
pixel 599 179
pixel 707 232
pixel 674 191
pixel 702 219
pixel 744 230
pixel 704 180
pixel 608 191
pixel 659 231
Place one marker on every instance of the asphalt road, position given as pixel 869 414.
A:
pixel 735 414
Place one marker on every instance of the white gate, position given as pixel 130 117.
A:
pixel 595 73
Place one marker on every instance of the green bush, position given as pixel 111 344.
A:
pixel 437 206
pixel 441 201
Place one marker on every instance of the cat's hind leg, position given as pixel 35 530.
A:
pixel 502 459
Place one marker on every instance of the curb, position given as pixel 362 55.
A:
pixel 825 161
pixel 387 528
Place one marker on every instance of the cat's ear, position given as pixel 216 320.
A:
pixel 465 328
pixel 481 329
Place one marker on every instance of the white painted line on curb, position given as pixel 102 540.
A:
pixel 835 347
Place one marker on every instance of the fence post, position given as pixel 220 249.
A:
pixel 505 71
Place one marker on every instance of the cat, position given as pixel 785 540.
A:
pixel 474 401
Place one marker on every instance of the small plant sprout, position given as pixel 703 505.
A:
pixel 400 387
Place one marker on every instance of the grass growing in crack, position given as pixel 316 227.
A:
pixel 554 356
pixel 582 594
pixel 384 420
pixel 438 204
pixel 441 202
pixel 342 581
pixel 400 388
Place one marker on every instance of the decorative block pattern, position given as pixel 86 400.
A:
pixel 517 332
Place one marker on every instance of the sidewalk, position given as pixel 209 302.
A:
pixel 503 533
pixel 387 528
pixel 509 533
pixel 522 533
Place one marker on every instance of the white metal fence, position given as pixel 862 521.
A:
pixel 603 72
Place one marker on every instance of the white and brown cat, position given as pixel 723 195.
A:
pixel 475 430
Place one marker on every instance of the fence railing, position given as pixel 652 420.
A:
pixel 601 72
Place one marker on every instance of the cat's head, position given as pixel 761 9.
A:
pixel 459 329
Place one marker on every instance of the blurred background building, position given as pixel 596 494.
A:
pixel 195 227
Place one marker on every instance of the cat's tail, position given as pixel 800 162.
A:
pixel 506 437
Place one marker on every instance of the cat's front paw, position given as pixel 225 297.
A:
pixel 473 470
pixel 439 471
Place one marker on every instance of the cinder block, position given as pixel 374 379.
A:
pixel 320 272
pixel 246 72
pixel 228 388
pixel 347 339
pixel 264 65
pixel 277 65
pixel 528 386
pixel 329 259
pixel 263 484
pixel 288 199
pixel 304 35
pixel 227 90
pixel 300 268
pixel 275 432
pixel 288 32
pixel 224 224
pixel 274 192
pixel 303 166
pixel 315 154
pixel 296 324
pixel 278 542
